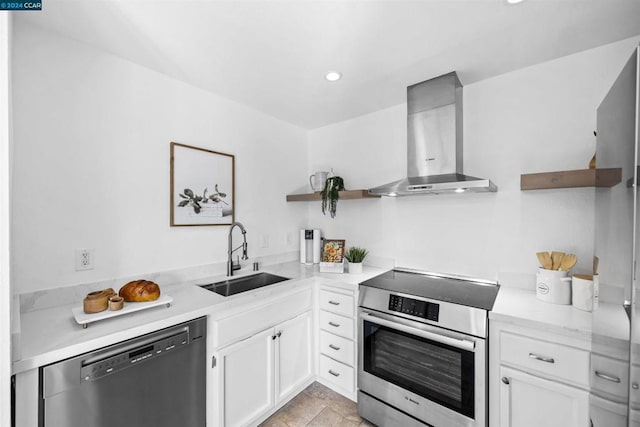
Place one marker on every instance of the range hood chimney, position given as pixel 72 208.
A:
pixel 434 146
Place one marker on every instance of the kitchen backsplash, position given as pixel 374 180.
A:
pixel 38 300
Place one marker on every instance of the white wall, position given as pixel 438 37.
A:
pixel 536 119
pixel 91 166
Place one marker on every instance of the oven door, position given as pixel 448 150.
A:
pixel 433 374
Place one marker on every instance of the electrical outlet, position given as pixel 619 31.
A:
pixel 84 259
pixel 289 238
pixel 264 240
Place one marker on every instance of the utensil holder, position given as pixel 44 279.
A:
pixel 553 286
pixel 585 292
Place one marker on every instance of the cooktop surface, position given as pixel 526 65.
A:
pixel 471 293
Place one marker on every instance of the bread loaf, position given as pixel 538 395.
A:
pixel 140 291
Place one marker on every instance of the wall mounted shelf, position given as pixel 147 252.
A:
pixel 343 195
pixel 571 179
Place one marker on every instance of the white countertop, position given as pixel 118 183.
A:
pixel 521 307
pixel 52 334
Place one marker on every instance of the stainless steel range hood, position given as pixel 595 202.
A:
pixel 434 146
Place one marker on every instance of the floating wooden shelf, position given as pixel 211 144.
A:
pixel 571 179
pixel 343 195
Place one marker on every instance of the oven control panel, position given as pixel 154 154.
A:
pixel 414 307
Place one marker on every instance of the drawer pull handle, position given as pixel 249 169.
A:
pixel 335 374
pixel 634 386
pixel 335 325
pixel 542 358
pixel 607 377
pixel 334 347
pixel 334 303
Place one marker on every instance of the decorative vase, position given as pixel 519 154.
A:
pixel 355 268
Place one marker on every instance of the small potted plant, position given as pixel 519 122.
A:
pixel 355 256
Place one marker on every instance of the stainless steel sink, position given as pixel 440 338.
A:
pixel 243 284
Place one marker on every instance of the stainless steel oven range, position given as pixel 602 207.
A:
pixel 423 353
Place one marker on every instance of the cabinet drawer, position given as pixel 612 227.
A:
pixel 336 347
pixel 336 324
pixel 565 363
pixel 336 303
pixel 609 378
pixel 337 373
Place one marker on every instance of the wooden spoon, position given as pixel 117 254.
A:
pixel 568 261
pixel 556 258
pixel 545 260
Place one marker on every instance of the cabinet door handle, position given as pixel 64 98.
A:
pixel 542 358
pixel 607 377
pixel 335 325
pixel 505 380
pixel 279 334
pixel 335 374
pixel 334 303
pixel 334 347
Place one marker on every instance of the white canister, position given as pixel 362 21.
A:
pixel 553 286
pixel 585 291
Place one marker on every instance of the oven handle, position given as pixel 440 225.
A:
pixel 454 342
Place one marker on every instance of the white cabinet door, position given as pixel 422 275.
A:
pixel 246 379
pixel 293 354
pixel 530 401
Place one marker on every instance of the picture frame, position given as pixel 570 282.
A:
pixel 332 251
pixel 202 186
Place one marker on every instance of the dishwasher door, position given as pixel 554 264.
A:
pixel 154 380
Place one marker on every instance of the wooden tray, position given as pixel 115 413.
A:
pixel 84 319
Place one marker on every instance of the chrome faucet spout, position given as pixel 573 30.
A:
pixel 231 267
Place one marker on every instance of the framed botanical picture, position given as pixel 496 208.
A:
pixel 202 186
pixel 332 251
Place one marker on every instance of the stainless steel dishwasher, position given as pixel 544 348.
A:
pixel 154 380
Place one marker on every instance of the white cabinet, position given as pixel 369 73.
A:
pixel 293 355
pixel 246 379
pixel 336 338
pixel 260 358
pixel 259 374
pixel 530 401
pixel 537 378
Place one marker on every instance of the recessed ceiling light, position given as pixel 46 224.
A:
pixel 514 1
pixel 333 76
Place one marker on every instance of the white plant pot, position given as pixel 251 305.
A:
pixel 355 268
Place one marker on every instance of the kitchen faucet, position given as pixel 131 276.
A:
pixel 231 267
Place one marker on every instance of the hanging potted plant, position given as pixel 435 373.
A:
pixel 330 194
pixel 355 256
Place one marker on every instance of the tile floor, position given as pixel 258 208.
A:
pixel 317 406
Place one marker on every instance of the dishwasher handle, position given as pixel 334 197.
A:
pixel 133 355
pixel 133 344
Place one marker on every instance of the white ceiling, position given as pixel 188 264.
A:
pixel 272 55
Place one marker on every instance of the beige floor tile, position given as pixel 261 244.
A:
pixel 317 406
pixel 301 410
pixel 326 418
